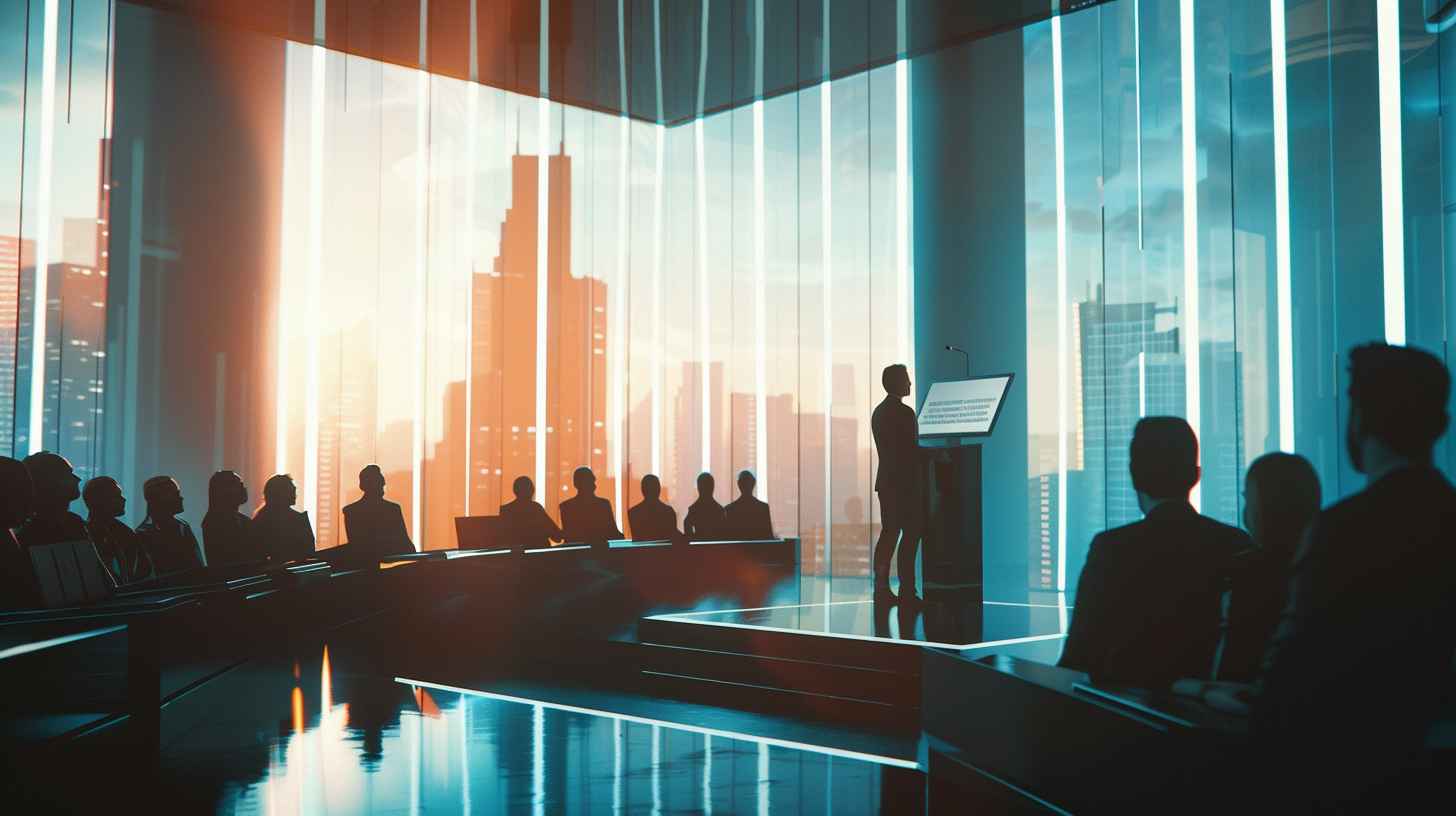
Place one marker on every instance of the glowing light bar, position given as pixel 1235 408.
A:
pixel 760 298
pixel 1392 193
pixel 41 304
pixel 1191 348
pixel 543 270
pixel 825 204
pixel 422 206
pixel 822 750
pixel 704 354
pixel 906 335
pixel 657 398
pixel 313 283
pixel 1059 138
pixel 1284 289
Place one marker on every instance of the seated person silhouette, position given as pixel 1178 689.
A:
pixel 587 518
pixel 746 518
pixel 375 518
pixel 1281 495
pixel 121 551
pixel 56 486
pixel 168 540
pixel 18 587
pixel 705 518
pixel 1363 655
pixel 227 535
pixel 652 519
pixel 1149 604
pixel 527 526
pixel 282 533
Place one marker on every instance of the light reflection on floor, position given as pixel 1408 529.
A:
pixel 445 751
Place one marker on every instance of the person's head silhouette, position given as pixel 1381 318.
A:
pixel 56 485
pixel 226 490
pixel 651 488
pixel 1163 459
pixel 896 380
pixel 371 481
pixel 1281 495
pixel 103 498
pixel 705 485
pixel 524 488
pixel 280 491
pixel 17 494
pixel 1397 406
pixel 585 481
pixel 164 497
pixel 746 483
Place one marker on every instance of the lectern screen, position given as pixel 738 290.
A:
pixel 966 407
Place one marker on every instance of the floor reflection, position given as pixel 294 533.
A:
pixel 381 745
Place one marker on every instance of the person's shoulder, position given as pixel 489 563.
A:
pixel 1225 536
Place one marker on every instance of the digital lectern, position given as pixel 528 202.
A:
pixel 956 417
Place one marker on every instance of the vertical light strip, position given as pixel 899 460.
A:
pixel 1282 275
pixel 1191 341
pixel 708 774
pixel 905 335
pixel 657 400
pixel 656 770
pixel 133 325
pixel 827 264
pixel 704 312
pixel 538 759
pixel 543 242
pixel 313 283
pixel 466 805
pixel 422 209
pixel 760 269
pixel 219 411
pixel 763 779
pixel 40 306
pixel 619 318
pixel 1137 95
pixel 472 113
pixel 760 308
pixel 1392 192
pixel 543 272
pixel 417 758
pixel 705 355
pixel 1142 384
pixel 617 767
pixel 1063 364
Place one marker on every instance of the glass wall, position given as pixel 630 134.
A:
pixel 1222 199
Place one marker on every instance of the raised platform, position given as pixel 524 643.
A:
pixel 852 661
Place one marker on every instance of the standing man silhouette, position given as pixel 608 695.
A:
pixel 900 482
pixel 746 518
pixel 587 517
pixel 705 518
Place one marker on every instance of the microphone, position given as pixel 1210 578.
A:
pixel 949 347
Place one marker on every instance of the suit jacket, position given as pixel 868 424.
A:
pixel 51 528
pixel 897 441
pixel 171 551
pixel 1364 651
pixel 1258 589
pixel 120 549
pixel 373 518
pixel 527 524
pixel 227 537
pixel 588 519
pixel 1149 604
pixel 282 533
pixel 748 519
pixel 653 521
pixel 705 520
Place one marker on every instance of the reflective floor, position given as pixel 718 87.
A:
pixel 453 752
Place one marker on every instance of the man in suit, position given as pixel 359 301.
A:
pixel 56 486
pixel 526 523
pixel 1149 604
pixel 168 540
pixel 746 518
pixel 653 519
pixel 900 483
pixel 587 517
pixel 705 518
pixel 375 518
pixel 1363 654
pixel 120 549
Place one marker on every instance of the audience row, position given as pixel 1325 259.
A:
pixel 1339 626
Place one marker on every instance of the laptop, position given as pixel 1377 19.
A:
pixel 480 533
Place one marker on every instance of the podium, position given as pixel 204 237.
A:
pixel 951 546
